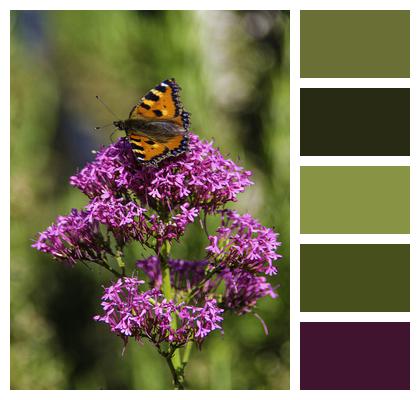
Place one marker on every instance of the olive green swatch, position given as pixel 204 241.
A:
pixel 355 199
pixel 355 44
pixel 355 277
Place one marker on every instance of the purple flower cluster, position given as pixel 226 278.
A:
pixel 243 289
pixel 202 177
pixel 153 206
pixel 142 203
pixel 126 219
pixel 242 242
pixel 73 237
pixel 240 288
pixel 131 312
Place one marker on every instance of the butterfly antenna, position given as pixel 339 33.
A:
pixel 112 112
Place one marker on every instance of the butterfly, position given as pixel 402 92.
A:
pixel 157 127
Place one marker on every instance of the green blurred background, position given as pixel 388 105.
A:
pixel 234 71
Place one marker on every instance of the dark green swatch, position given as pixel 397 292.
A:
pixel 355 44
pixel 355 200
pixel 354 277
pixel 355 122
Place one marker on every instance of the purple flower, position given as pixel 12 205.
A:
pixel 171 227
pixel 214 248
pixel 243 289
pixel 242 242
pixel 73 237
pixel 111 171
pixel 153 206
pixel 202 177
pixel 132 313
pixel 125 219
pixel 144 203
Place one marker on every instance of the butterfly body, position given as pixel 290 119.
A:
pixel 157 127
pixel 160 130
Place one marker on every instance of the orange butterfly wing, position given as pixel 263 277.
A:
pixel 162 103
pixel 147 150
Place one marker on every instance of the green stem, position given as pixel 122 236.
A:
pixel 166 272
pixel 186 355
pixel 120 261
pixel 178 378
pixel 175 359
pixel 109 268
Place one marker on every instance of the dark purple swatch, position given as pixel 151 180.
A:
pixel 355 355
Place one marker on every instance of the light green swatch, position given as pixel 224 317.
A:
pixel 355 44
pixel 355 199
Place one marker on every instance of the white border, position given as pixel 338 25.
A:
pixel 296 161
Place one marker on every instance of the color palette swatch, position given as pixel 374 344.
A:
pixel 355 277
pixel 355 355
pixel 355 122
pixel 355 199
pixel 361 129
pixel 355 44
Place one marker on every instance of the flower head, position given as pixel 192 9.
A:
pixel 125 219
pixel 242 242
pixel 71 238
pixel 241 288
pixel 153 206
pixel 132 313
pixel 202 177
pixel 144 203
